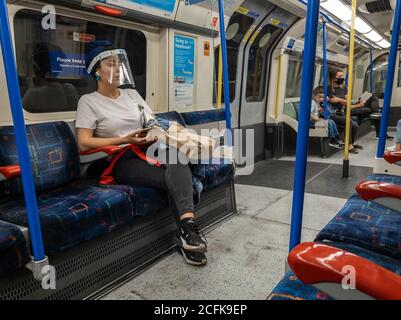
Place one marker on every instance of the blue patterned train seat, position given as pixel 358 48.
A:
pixel 194 117
pixel 145 200
pixel 13 251
pixel 214 175
pixel 81 210
pixel 170 116
pixel 385 178
pixel 291 288
pixel 211 175
pixel 367 225
pixel 72 210
pixel 73 213
pixel 202 117
pixel 54 156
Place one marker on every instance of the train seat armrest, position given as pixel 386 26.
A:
pixel 315 263
pixel 393 157
pixel 9 172
pixel 98 153
pixel 386 194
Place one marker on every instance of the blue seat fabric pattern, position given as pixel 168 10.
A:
pixel 13 250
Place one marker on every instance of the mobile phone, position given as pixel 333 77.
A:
pixel 143 132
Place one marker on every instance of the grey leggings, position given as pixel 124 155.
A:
pixel 176 179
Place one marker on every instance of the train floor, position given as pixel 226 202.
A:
pixel 247 253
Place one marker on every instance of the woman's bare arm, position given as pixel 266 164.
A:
pixel 86 140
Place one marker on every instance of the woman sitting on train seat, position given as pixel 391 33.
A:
pixel 316 114
pixel 111 116
pixel 337 97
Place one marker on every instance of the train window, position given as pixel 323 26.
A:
pixel 238 25
pixel 379 76
pixel 257 63
pixel 51 63
pixel 294 77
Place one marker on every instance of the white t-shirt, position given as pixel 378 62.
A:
pixel 111 117
pixel 314 111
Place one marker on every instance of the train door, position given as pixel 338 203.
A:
pixel 241 25
pixel 255 65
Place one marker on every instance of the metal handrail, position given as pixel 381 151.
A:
pixel 10 67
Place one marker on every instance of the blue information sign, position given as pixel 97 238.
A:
pixel 184 70
pixel 67 65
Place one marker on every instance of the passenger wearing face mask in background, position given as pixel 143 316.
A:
pixel 337 93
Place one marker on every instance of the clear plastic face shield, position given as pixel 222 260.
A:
pixel 114 68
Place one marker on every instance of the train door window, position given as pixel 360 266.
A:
pixel 238 25
pixel 379 76
pixel 294 78
pixel 51 63
pixel 258 60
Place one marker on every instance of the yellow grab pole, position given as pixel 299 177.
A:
pixel 220 80
pixel 349 91
pixel 255 74
pixel 278 91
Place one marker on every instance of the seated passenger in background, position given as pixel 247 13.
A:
pixel 317 101
pixel 337 97
pixel 337 92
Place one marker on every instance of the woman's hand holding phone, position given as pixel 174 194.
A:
pixel 138 137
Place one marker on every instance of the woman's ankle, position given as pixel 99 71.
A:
pixel 187 215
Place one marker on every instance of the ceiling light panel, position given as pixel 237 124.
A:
pixel 374 36
pixel 338 9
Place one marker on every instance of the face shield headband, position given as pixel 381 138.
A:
pixel 116 66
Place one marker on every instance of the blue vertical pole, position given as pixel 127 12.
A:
pixel 312 16
pixel 389 80
pixel 371 71
pixel 325 80
pixel 225 72
pixel 20 134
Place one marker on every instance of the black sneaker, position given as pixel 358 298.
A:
pixel 189 237
pixel 335 145
pixel 193 258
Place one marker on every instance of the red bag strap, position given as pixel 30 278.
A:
pixel 107 176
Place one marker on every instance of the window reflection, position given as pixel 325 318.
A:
pixel 379 76
pixel 51 63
